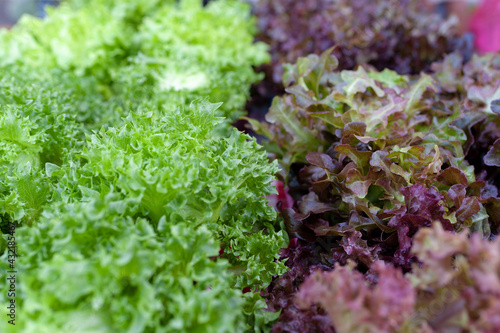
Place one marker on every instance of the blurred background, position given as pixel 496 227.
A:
pixel 12 10
pixel 481 17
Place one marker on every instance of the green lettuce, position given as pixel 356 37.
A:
pixel 38 128
pixel 190 51
pixel 133 236
pixel 153 220
pixel 455 287
pixel 163 53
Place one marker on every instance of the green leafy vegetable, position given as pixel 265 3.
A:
pixel 132 237
pixel 135 210
pixel 156 52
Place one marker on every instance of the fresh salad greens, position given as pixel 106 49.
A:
pixel 402 35
pixel 455 287
pixel 157 225
pixel 369 158
pixel 137 208
pixel 144 52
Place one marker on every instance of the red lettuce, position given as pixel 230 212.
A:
pixel 455 288
pixel 302 260
pixel 370 158
pixel 354 305
pixel 400 35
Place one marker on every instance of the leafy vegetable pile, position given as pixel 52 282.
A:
pixel 139 208
pixel 456 287
pixel 399 35
pixel 136 209
pixel 369 158
pixel 138 53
